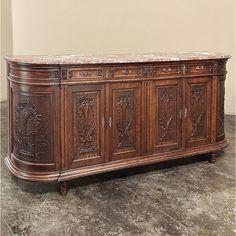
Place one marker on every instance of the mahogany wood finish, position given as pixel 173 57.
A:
pixel 72 120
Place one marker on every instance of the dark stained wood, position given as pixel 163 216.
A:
pixel 68 121
pixel 63 187
pixel 197 111
pixel 85 109
pixel 212 158
pixel 167 108
pixel 124 120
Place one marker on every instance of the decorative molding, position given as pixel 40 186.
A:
pixel 56 74
pixel 149 71
pixel 64 74
pixel 70 74
pixel 185 69
pixel 167 70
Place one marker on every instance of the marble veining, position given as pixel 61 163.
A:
pixel 115 58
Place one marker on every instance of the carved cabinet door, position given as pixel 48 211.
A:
pixel 124 120
pixel 197 111
pixel 85 124
pixel 35 126
pixel 166 105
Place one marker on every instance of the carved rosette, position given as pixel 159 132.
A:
pixel 125 119
pixel 30 136
pixel 167 114
pixel 84 128
pixel 198 110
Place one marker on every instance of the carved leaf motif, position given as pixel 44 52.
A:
pixel 125 121
pixel 85 125
pixel 198 109
pixel 167 113
pixel 30 137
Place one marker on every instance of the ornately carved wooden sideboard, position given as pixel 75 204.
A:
pixel 72 116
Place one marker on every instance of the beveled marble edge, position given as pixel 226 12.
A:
pixel 115 58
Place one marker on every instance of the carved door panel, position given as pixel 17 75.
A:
pixel 197 111
pixel 125 120
pixel 35 126
pixel 86 132
pixel 166 115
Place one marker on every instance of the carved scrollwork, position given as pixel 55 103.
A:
pixel 125 115
pixel 30 137
pixel 215 66
pixel 56 74
pixel 70 74
pixel 178 69
pixel 167 114
pixel 185 69
pixel 64 74
pixel 85 112
pixel 198 109
pixel 149 71
pixel 167 70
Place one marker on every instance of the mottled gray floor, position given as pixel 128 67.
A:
pixel 187 197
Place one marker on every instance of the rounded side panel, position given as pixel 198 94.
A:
pixel 34 122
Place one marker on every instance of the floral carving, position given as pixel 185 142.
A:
pixel 125 122
pixel 85 113
pixel 30 137
pixel 149 71
pixel 198 109
pixel 167 113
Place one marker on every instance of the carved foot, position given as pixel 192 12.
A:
pixel 63 188
pixel 212 158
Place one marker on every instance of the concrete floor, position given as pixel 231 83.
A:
pixel 186 197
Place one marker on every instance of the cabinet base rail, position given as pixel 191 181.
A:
pixel 63 176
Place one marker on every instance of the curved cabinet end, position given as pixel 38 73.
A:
pixel 28 175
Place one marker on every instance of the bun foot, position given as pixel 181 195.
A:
pixel 63 188
pixel 212 158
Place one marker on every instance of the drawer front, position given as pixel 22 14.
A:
pixel 124 72
pixel 169 70
pixel 199 68
pixel 82 74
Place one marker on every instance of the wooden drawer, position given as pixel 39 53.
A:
pixel 82 74
pixel 124 72
pixel 199 68
pixel 168 71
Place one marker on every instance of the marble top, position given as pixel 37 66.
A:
pixel 115 58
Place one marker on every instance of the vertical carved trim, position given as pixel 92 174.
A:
pixel 221 100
